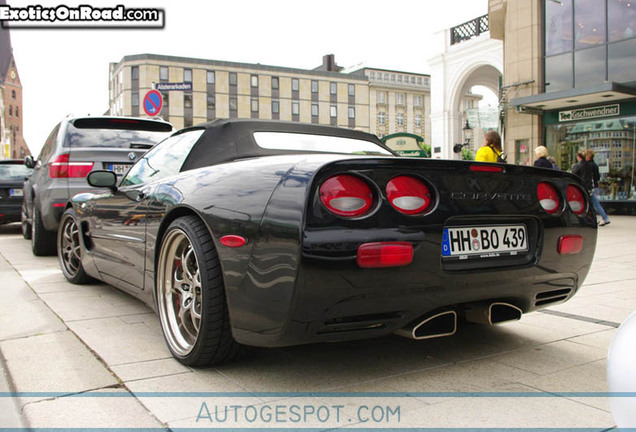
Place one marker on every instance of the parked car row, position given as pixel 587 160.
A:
pixel 263 233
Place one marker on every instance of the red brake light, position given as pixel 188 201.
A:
pixel 408 195
pixel 486 168
pixel 548 197
pixel 576 199
pixel 60 167
pixel 346 195
pixel 570 244
pixel 386 254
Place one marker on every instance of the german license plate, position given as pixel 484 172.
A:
pixel 16 192
pixel 484 241
pixel 119 169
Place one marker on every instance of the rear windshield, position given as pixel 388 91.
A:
pixel 317 143
pixel 97 133
pixel 14 172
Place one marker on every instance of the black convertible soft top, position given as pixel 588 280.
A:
pixel 226 140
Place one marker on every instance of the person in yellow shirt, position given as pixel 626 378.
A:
pixel 491 148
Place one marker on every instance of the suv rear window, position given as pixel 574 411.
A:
pixel 115 133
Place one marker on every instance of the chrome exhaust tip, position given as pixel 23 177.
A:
pixel 437 325
pixel 493 313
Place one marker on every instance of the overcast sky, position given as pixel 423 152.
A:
pixel 66 71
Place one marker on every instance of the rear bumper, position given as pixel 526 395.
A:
pixel 10 210
pixel 335 300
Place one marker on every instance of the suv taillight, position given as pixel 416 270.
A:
pixel 60 167
pixel 346 195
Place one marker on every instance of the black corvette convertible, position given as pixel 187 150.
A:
pixel 244 232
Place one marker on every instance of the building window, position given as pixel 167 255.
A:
pixel 134 97
pixel 400 119
pixel 372 75
pixel 210 77
pixel 381 97
pixel 254 105
pixel 187 75
pixel 417 101
pixel 11 107
pixel 314 86
pixel 400 79
pixel 392 77
pixel 275 107
pixel 386 76
pixel 333 88
pixel 233 79
pixel 134 72
pixel 295 84
pixel 333 111
pixel 187 101
pixel 211 102
pixel 295 108
pixel 399 99
pixel 352 112
pixel 418 120
pixel 12 94
pixel 163 73
pixel 419 81
pixel 17 112
pixel 164 96
pixel 275 83
pixel 352 90
pixel 254 81
pixel 314 110
pixel 233 104
pixel 381 118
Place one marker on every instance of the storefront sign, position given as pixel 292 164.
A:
pixel 589 113
pixel 187 86
pixel 405 144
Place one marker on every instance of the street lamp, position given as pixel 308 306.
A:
pixel 457 148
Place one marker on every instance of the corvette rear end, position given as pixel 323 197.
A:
pixel 416 247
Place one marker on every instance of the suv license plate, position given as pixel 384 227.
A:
pixel 484 241
pixel 119 169
pixel 16 192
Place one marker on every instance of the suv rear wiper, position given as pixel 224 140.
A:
pixel 141 146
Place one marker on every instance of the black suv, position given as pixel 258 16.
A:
pixel 75 147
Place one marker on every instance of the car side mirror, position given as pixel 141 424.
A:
pixel 102 179
pixel 29 162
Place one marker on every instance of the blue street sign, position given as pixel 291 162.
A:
pixel 153 103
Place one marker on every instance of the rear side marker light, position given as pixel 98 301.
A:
pixel 385 254
pixel 570 244
pixel 346 195
pixel 576 199
pixel 232 241
pixel 548 198
pixel 60 167
pixel 486 168
pixel 408 195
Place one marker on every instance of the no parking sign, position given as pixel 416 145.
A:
pixel 153 103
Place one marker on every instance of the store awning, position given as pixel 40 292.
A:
pixel 606 92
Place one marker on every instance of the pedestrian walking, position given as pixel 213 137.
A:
pixel 542 158
pixel 491 150
pixel 596 176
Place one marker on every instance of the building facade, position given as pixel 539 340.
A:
pixel 378 101
pixel 569 83
pixel 12 141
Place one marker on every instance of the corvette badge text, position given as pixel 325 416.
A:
pixel 83 16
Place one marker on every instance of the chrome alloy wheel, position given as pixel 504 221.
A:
pixel 70 247
pixel 179 293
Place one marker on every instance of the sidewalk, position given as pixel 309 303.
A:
pixel 92 357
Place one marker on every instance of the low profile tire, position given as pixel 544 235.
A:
pixel 26 226
pixel 191 298
pixel 69 249
pixel 42 241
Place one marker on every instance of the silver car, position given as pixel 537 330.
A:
pixel 75 147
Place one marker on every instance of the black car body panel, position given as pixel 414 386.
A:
pixel 296 279
pixel 13 173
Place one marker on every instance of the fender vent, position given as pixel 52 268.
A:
pixel 555 296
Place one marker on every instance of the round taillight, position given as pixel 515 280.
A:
pixel 576 199
pixel 408 195
pixel 548 197
pixel 346 195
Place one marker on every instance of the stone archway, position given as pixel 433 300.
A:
pixel 460 66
